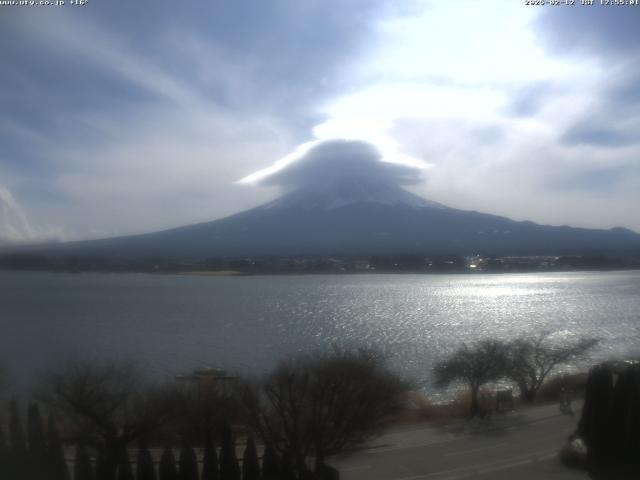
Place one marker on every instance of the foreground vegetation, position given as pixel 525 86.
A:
pixel 527 362
pixel 308 408
pixel 606 439
pixel 122 427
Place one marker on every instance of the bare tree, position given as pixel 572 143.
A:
pixel 206 406
pixel 109 405
pixel 477 365
pixel 531 360
pixel 320 405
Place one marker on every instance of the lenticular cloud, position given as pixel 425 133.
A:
pixel 318 163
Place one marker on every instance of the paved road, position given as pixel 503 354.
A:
pixel 519 445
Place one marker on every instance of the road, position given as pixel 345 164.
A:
pixel 519 445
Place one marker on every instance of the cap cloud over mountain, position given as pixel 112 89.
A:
pixel 335 173
pixel 333 160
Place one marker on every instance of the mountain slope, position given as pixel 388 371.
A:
pixel 352 217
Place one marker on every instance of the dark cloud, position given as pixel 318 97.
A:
pixel 528 100
pixel 595 180
pixel 287 44
pixel 585 134
pixel 622 90
pixel 612 32
pixel 609 35
pixel 334 160
pixel 614 119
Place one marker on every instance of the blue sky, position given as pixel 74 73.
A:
pixel 123 117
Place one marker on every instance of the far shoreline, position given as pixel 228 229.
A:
pixel 211 273
pixel 239 273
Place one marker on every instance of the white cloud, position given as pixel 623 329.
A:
pixel 324 162
pixel 14 225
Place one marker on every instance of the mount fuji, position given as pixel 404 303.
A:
pixel 357 216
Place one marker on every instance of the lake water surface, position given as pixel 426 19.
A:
pixel 172 324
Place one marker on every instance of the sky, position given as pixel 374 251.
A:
pixel 120 117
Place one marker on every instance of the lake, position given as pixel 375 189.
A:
pixel 172 324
